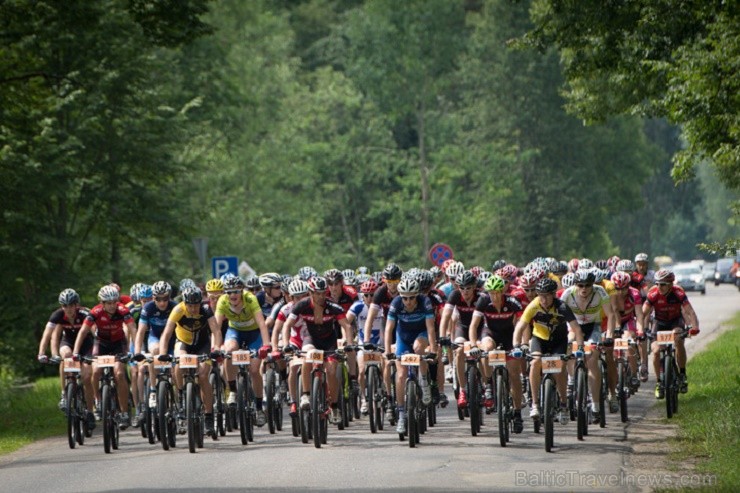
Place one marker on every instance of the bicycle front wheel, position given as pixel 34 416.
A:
pixel 581 402
pixel 190 416
pixel 164 414
pixel 107 421
pixel 71 410
pixel 270 399
pixel 318 403
pixel 503 414
pixel 371 397
pixel 242 410
pixel 473 401
pixel 411 409
pixel 548 413
pixel 622 389
pixel 669 383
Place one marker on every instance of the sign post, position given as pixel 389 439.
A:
pixel 224 265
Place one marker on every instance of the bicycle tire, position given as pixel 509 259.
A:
pixel 602 394
pixel 200 428
pixel 341 399
pixel 106 414
pixel 622 390
pixel 219 415
pixel 190 416
pixel 318 401
pixel 411 403
pixel 269 399
pixel 581 402
pixel 472 391
pixel 548 412
pixel 304 415
pixel 668 384
pixel 163 411
pixel 501 410
pixel 242 410
pixel 372 403
pixel 71 398
pixel 81 415
pixel 114 424
pixel 431 415
pixel 251 408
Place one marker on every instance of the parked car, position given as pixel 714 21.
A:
pixel 722 271
pixel 690 277
pixel 708 270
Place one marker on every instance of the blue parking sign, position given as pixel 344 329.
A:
pixel 224 265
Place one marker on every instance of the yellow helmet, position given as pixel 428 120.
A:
pixel 214 285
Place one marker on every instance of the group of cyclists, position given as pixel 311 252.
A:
pixel 445 314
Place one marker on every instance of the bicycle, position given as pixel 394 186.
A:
pixel 218 385
pixel 194 412
pixel 622 348
pixel 578 401
pixel 245 406
pixel 319 412
pixel 604 385
pixel 347 395
pixel 414 407
pixel 109 409
pixel 669 372
pixel 76 410
pixel 165 414
pixel 551 365
pixel 273 397
pixel 373 359
pixel 502 393
pixel 473 386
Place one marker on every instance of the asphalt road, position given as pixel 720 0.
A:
pixel 448 458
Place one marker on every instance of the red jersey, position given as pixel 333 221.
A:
pixel 667 307
pixel 627 312
pixel 110 327
pixel 348 296
pixel 518 293
pixel 319 329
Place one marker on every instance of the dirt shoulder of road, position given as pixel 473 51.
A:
pixel 653 440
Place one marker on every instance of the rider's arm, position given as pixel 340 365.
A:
pixel 474 323
pixel 286 329
pixel 372 312
pixel 260 319
pixel 576 329
pixel 647 309
pixel 164 339
pixel 346 330
pixel 140 334
pixel 446 316
pixel 215 332
pixel 46 337
pixel 639 320
pixel 129 329
pixel 518 331
pixel 277 333
pixel 432 335
pixel 56 336
pixel 81 337
pixel 689 314
pixel 611 317
pixel 389 326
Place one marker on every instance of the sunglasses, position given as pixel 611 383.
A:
pixel 466 288
pixel 663 283
pixel 162 298
pixel 392 281
pixel 585 285
pixel 192 304
pixel 233 291
pixel 367 294
pixel 530 290
pixel 407 298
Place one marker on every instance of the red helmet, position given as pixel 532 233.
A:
pixel 529 280
pixel 612 262
pixel 509 272
pixel 476 270
pixel 664 275
pixel 317 284
pixel 637 279
pixel 573 265
pixel 369 286
pixel 446 264
pixel 621 280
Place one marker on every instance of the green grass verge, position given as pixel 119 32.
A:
pixel 709 429
pixel 28 414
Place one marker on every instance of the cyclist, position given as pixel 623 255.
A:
pixel 270 294
pixel 358 311
pixel 114 328
pixel 463 301
pixel 587 302
pixel 247 329
pixel 60 334
pixel 426 282
pixel 252 284
pixel 550 318
pixel 501 314
pixel 641 267
pixel 672 310
pixel 411 318
pixel 344 296
pixel 194 326
pixel 319 313
pixel 629 309
pixel 291 338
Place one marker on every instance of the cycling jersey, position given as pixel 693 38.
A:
pixel 551 322
pixel 518 293
pixel 265 304
pixel 360 311
pixel 499 323
pixel 70 328
pixel 318 333
pixel 298 326
pixel 244 320
pixel 382 299
pixel 627 312
pixel 667 307
pixel 347 297
pixel 410 325
pixel 110 327
pixel 592 312
pixel 456 301
pixel 154 318
pixel 191 330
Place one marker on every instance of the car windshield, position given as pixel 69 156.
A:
pixel 724 264
pixel 686 270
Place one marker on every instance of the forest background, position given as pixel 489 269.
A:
pixel 339 133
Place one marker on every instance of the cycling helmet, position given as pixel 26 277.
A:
pixel 214 285
pixel 600 275
pixel 454 269
pixel 362 278
pixel 307 272
pixel 625 265
pixel 494 283
pixel 584 276
pixel 145 291
pixel 611 262
pixel 192 295
pixel 351 280
pixel 134 291
pixel 161 288
pixel 252 282
pixel 573 265
pixel 226 276
pixel 411 273
pixel 392 272
pixel 317 284
pixel 664 275
pixel 560 268
pixel 568 280
pixel 297 287
pixel 509 272
pixel 483 277
pixel 436 271
pixel 498 265
pixel 585 263
pixel 601 264
pixel 466 278
pixel 69 297
pixel 378 276
pixel 529 280
pixel 425 279
pixel 621 280
pixel 641 257
pixel 446 264
pixel 362 270
pixel 408 287
pixel 185 284
pixel 108 293
pixel 476 270
pixel 637 279
pixel 546 285
pixel 333 275
pixel 233 283
pixel 369 286
pixel 270 280
pixel 348 273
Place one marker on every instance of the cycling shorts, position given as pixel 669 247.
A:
pixel 245 339
pixel 406 344
pixel 108 348
pixel 553 346
pixel 503 337
pixel 591 332
pixel 87 344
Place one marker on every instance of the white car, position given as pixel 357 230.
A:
pixel 690 277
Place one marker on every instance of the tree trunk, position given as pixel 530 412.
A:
pixel 424 173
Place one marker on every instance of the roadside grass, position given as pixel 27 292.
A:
pixel 28 413
pixel 708 429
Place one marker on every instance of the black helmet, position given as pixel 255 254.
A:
pixel 584 276
pixel 498 264
pixel 466 278
pixel 546 285
pixel 425 279
pixel 192 295
pixel 233 282
pixel 269 280
pixel 333 276
pixel 317 284
pixel 69 297
pixel 253 282
pixel 392 272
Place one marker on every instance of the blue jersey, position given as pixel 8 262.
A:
pixel 411 322
pixel 265 306
pixel 154 318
